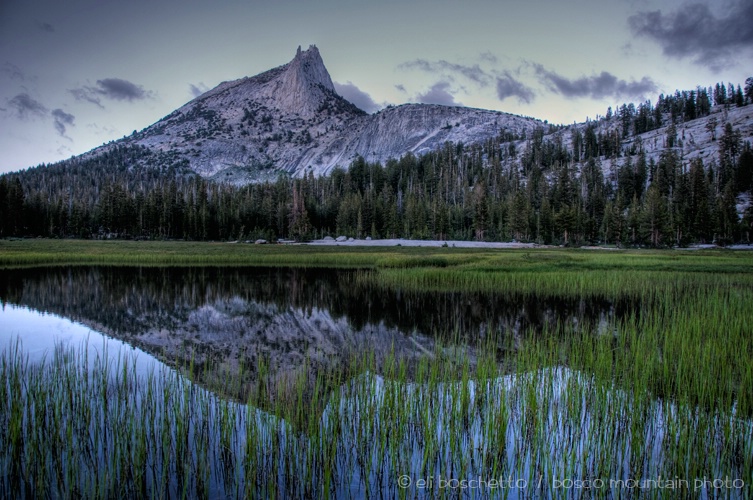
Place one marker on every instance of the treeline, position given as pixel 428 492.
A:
pixel 455 193
pixel 680 107
pixel 549 188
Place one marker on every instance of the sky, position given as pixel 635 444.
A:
pixel 80 73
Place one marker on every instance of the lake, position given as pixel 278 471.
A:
pixel 225 317
pixel 299 383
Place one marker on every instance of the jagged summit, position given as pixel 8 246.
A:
pixel 302 81
pixel 291 120
pixel 309 68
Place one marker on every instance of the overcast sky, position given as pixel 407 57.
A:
pixel 79 73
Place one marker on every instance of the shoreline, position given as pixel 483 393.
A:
pixel 401 242
pixel 395 242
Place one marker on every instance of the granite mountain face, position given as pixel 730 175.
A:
pixel 291 120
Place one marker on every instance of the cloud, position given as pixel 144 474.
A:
pixel 401 87
pixel 488 57
pixel 357 96
pixel 694 31
pixel 438 94
pixel 62 120
pixel 13 72
pixel 88 94
pixel 198 89
pixel 509 86
pixel 111 88
pixel 598 86
pixel 121 90
pixel 25 106
pixel 474 73
pixel 46 27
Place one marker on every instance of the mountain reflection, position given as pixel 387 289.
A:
pixel 225 321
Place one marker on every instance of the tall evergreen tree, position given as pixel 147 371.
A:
pixel 654 217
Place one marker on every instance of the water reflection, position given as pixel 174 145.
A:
pixel 221 319
pixel 532 428
pixel 37 335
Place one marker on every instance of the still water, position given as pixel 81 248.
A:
pixel 222 318
pixel 516 434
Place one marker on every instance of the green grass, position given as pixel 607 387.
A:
pixel 40 252
pixel 664 392
pixel 98 429
pixel 20 253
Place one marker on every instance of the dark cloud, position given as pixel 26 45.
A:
pixel 400 87
pixel 61 120
pixel 47 27
pixel 25 106
pixel 438 94
pixel 121 90
pixel 474 73
pixel 198 89
pixel 598 86
pixel 694 31
pixel 357 96
pixel 111 88
pixel 509 86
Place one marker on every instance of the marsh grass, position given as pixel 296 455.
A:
pixel 97 428
pixel 662 393
pixel 25 253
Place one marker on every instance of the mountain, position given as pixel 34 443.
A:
pixel 290 119
pixel 675 172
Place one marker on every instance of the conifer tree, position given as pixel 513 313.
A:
pixel 654 217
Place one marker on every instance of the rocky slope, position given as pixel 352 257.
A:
pixel 290 119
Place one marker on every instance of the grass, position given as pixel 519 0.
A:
pixel 451 267
pixel 99 429
pixel 25 253
pixel 663 393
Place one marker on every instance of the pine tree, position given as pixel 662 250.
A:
pixel 700 213
pixel 739 97
pixel 744 177
pixel 546 223
pixel 518 215
pixel 726 216
pixel 4 207
pixel 711 124
pixel 729 149
pixel 682 209
pixel 300 226
pixel 654 217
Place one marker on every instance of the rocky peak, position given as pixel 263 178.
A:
pixel 304 82
pixel 310 66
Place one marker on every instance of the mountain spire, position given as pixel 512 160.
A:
pixel 304 83
pixel 309 66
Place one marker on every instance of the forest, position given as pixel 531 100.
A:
pixel 554 190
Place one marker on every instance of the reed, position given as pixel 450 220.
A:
pixel 101 429
pixel 662 393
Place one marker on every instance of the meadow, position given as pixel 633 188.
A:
pixel 658 400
